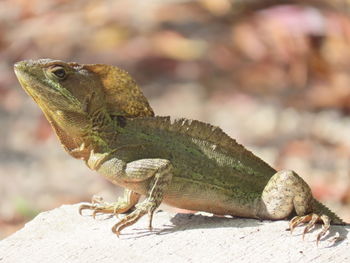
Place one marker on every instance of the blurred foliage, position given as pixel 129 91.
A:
pixel 278 73
pixel 24 208
pixel 298 52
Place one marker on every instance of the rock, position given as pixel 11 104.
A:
pixel 62 235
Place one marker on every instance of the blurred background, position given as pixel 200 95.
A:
pixel 274 76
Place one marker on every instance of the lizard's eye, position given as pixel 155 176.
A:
pixel 59 72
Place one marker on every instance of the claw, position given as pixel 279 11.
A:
pixel 312 219
pixel 311 224
pixel 100 209
pixel 115 231
pixel 326 224
pixel 133 217
pixel 95 200
pixel 150 213
pixel 127 221
pixel 298 220
pixel 94 214
pixel 84 207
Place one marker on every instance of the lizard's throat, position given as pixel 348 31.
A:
pixel 73 144
pixel 80 134
pixel 71 139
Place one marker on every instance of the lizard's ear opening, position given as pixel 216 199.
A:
pixel 123 96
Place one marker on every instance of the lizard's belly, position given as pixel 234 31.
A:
pixel 205 197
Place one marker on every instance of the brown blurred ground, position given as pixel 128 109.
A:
pixel 276 79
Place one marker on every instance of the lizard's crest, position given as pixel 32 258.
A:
pixel 208 138
pixel 123 96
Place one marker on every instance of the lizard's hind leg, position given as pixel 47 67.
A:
pixel 287 192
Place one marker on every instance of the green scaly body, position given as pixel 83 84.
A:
pixel 101 116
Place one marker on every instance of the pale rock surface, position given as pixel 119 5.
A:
pixel 62 235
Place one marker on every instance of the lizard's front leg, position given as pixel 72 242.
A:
pixel 160 181
pixel 151 176
pixel 287 192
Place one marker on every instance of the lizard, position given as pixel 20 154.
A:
pixel 101 116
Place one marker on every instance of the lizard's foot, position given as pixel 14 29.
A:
pixel 101 208
pixel 147 206
pixel 312 219
pixel 123 204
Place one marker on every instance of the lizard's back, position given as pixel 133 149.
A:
pixel 209 166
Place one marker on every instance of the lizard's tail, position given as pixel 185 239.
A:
pixel 321 209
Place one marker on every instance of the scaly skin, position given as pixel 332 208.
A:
pixel 101 117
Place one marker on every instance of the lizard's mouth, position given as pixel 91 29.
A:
pixel 21 70
pixel 26 79
pixel 21 76
pixel 34 80
pixel 30 80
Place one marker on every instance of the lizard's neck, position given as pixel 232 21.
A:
pixel 96 135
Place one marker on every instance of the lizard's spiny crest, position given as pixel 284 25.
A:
pixel 123 96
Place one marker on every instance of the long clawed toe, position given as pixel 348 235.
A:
pixel 99 207
pixel 326 224
pixel 131 219
pixel 311 219
pixel 123 223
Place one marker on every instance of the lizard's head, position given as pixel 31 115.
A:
pixel 71 95
pixel 55 86
pixel 59 86
pixel 62 90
